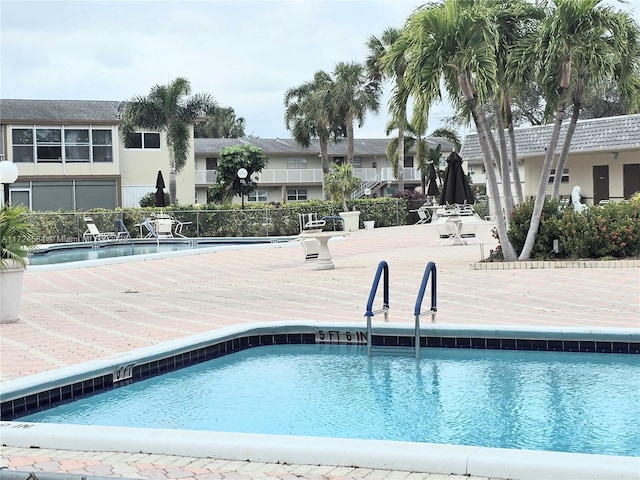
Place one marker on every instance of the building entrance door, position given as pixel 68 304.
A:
pixel 630 179
pixel 600 183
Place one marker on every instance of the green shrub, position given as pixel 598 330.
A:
pixel 611 230
pixel 548 231
pixel 600 231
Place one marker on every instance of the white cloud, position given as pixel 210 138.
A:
pixel 245 53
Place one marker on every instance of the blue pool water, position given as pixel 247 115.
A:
pixel 571 402
pixel 82 253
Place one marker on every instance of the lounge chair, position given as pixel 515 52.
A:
pixel 163 225
pixel 424 215
pixel 309 223
pixel 92 234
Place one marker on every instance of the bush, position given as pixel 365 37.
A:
pixel 611 230
pixel 548 231
pixel 607 231
pixel 149 200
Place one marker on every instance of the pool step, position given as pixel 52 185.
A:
pixel 396 351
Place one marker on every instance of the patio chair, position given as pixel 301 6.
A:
pixel 92 234
pixel 309 223
pixel 311 248
pixel 424 215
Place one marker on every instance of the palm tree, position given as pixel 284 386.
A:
pixel 340 183
pixel 613 53
pixel 167 109
pixel 450 135
pixel 221 122
pixel 352 95
pixel 308 114
pixel 456 42
pixel 586 36
pixel 395 68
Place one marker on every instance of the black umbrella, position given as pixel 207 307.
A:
pixel 455 189
pixel 160 190
pixel 432 187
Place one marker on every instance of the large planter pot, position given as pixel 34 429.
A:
pixel 351 221
pixel 11 277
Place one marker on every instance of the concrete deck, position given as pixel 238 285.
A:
pixel 73 315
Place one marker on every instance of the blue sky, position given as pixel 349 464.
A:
pixel 244 53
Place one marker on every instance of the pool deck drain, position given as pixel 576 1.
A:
pixel 71 316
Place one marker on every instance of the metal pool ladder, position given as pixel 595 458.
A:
pixel 383 268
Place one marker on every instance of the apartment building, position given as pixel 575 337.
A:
pixel 604 159
pixel 70 156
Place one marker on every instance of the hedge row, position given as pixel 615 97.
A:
pixel 601 231
pixel 213 220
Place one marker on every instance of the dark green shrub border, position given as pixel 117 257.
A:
pixel 214 220
pixel 601 231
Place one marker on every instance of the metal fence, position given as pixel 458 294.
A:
pixel 270 221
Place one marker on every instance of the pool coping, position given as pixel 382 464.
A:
pixel 428 458
pixel 278 242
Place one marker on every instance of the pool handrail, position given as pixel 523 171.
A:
pixel 383 267
pixel 429 269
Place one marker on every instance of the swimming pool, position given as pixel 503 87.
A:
pixel 24 395
pixel 555 401
pixel 84 251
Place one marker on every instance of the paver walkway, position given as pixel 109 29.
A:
pixel 74 315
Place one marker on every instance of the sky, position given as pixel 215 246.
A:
pixel 246 54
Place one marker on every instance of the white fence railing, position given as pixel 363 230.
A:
pixel 298 176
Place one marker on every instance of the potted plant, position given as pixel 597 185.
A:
pixel 340 183
pixel 16 240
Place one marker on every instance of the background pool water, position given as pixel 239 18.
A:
pixel 78 254
pixel 572 402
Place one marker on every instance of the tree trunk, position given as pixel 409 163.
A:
pixel 483 130
pixel 350 140
pixel 324 155
pixel 400 171
pixel 548 163
pixel 515 169
pixel 562 160
pixel 504 164
pixel 172 185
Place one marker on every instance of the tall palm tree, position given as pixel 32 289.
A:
pixel 450 135
pixel 353 94
pixel 309 114
pixel 221 122
pixel 574 34
pixel 456 42
pixel 610 51
pixel 395 68
pixel 167 109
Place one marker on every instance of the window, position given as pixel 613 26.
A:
pixel 144 141
pixel 49 144
pixel 294 194
pixel 257 196
pixel 22 144
pixel 297 163
pixel 357 162
pixel 565 176
pixel 408 161
pixel 76 145
pixel 212 163
pixel 102 146
pixel 46 145
pixel 338 160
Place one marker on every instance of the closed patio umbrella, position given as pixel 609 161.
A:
pixel 160 190
pixel 455 189
pixel 432 186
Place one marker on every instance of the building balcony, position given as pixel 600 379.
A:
pixel 308 176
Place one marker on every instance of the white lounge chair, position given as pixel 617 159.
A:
pixel 424 215
pixel 92 234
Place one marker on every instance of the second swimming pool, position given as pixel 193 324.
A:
pixel 554 401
